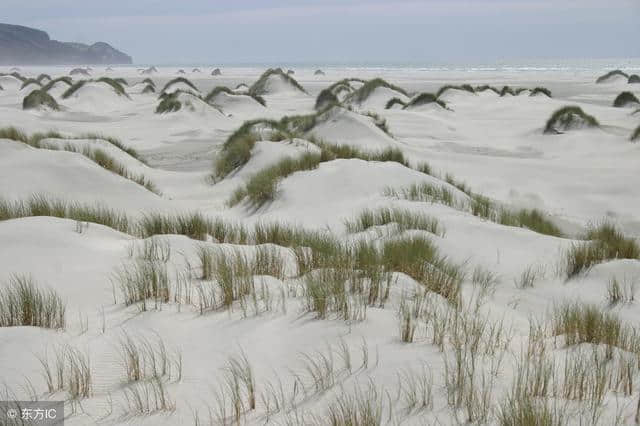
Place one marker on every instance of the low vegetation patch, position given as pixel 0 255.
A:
pixel 326 99
pixel 38 99
pixel 541 90
pixel 260 86
pixel 625 99
pixel 486 87
pixel 404 219
pixel 23 303
pixel 97 155
pixel 43 77
pixel 222 89
pixel 634 78
pixel 66 80
pixel 30 81
pixel 636 134
pixel 367 89
pixel 534 220
pixel 176 81
pixel 607 76
pixel 423 99
pixel 262 187
pixel 604 242
pixel 465 87
pixel 41 205
pixel 116 85
pixel 568 118
pixel 169 103
pixel 394 101
pixel 580 323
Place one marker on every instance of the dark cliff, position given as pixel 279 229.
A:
pixel 28 46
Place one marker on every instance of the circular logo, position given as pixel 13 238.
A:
pixel 12 413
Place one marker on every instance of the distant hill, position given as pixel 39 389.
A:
pixel 28 46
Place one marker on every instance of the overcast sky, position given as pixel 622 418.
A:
pixel 347 31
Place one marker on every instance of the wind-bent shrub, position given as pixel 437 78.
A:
pixel 465 87
pixel 178 80
pixel 149 89
pixel 222 89
pixel 625 99
pixel 423 99
pixel 486 87
pixel 367 88
pixel 114 84
pixel 607 76
pixel 79 71
pixel 39 98
pixel 41 77
pixel 326 99
pixel 260 86
pixel 30 81
pixel 568 118
pixel 22 303
pixel 542 90
pixel 394 101
pixel 51 83
pixel 169 103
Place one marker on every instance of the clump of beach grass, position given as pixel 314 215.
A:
pixel 141 280
pixel 326 99
pixel 66 80
pixel 486 87
pixel 113 83
pixel 533 219
pixel 605 77
pixel 30 81
pixel 625 99
pixel 97 155
pixel 541 90
pixel 403 219
pixel 633 79
pixel 567 118
pixel 176 81
pixel 423 99
pixel 169 103
pixel 605 242
pixel 39 98
pixel 465 87
pixel 210 98
pixel 394 101
pixel 23 303
pixel 636 134
pixel 260 86
pixel 360 95
pixel 41 205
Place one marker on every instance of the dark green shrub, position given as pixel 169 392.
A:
pixel 625 99
pixel 567 118
pixel 38 98
pixel 179 80
pixel 260 86
pixel 610 74
pixel 542 90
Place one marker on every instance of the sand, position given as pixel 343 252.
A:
pixel 494 144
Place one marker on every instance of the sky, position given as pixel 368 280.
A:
pixel 346 31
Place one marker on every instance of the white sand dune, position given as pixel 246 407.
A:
pixel 493 145
pixel 341 126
